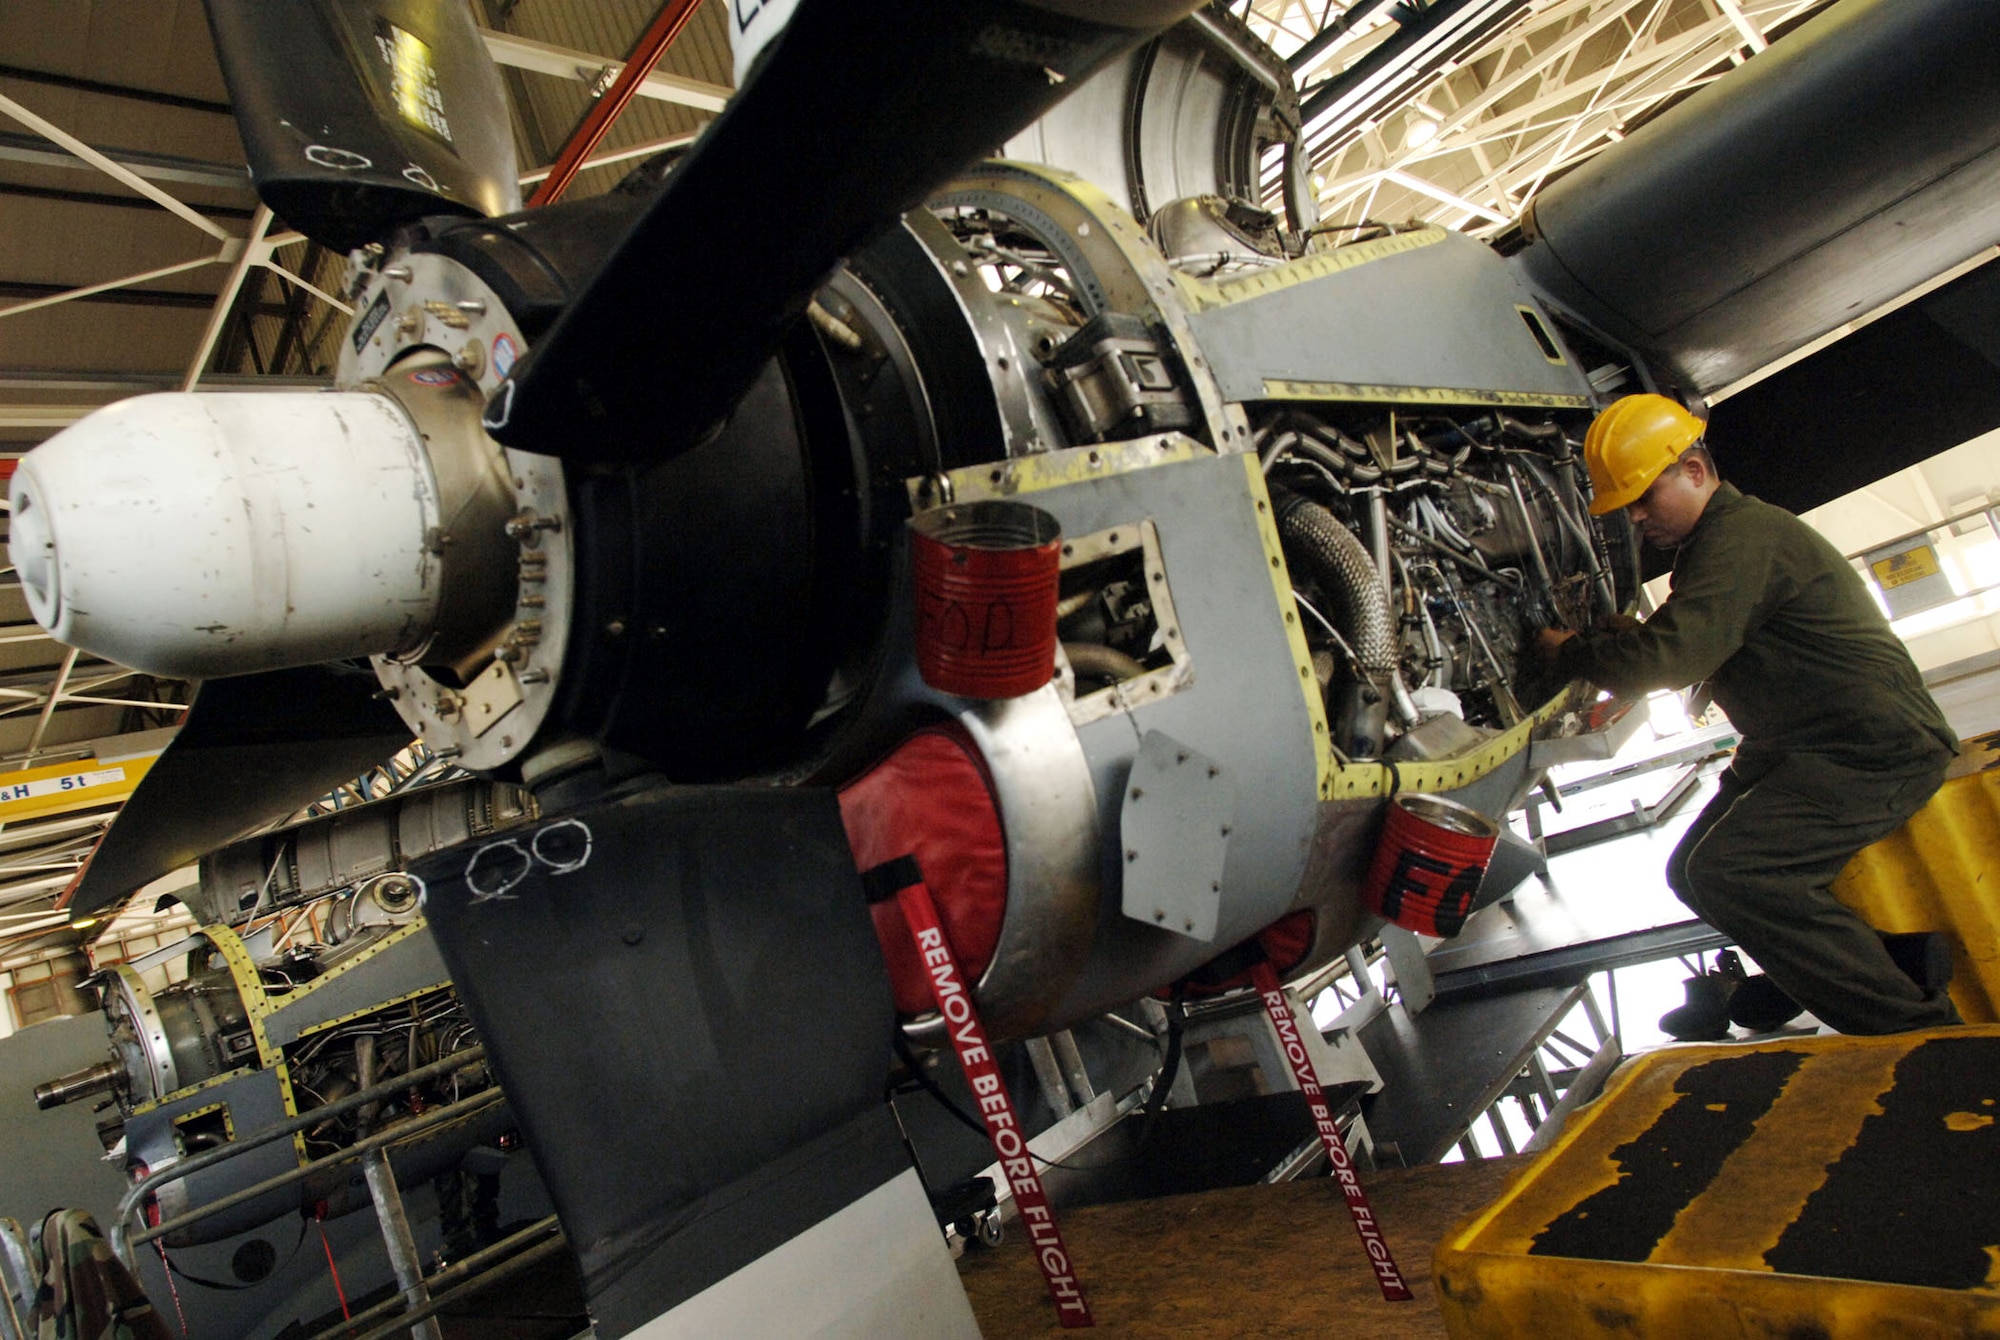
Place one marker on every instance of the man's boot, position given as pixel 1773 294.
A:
pixel 1924 957
pixel 1705 1017
pixel 1760 1005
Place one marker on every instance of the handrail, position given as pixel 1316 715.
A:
pixel 1952 520
pixel 442 1116
pixel 459 1280
pixel 514 1265
pixel 122 1241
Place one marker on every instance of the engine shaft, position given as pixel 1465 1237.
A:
pixel 78 1084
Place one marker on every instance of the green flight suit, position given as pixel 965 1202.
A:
pixel 1840 744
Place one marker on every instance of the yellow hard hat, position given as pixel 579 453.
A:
pixel 1631 444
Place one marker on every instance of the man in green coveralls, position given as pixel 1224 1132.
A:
pixel 1840 740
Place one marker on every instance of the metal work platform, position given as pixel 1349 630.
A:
pixel 1604 905
pixel 1536 960
pixel 1504 1013
pixel 1449 1066
pixel 1583 804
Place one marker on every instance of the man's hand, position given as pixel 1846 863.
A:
pixel 1548 643
pixel 1618 623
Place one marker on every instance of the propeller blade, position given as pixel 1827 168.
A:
pixel 359 115
pixel 853 115
pixel 685 980
pixel 254 750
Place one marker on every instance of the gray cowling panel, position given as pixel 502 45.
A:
pixel 410 965
pixel 1856 158
pixel 1242 707
pixel 1431 309
pixel 253 1102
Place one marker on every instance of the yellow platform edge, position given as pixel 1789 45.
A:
pixel 1488 1286
pixel 1941 872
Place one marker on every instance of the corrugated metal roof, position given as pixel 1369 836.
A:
pixel 157 45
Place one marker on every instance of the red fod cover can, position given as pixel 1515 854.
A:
pixel 986 577
pixel 1428 865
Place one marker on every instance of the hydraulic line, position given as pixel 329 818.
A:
pixel 1534 535
pixel 1503 695
pixel 1378 536
pixel 1433 644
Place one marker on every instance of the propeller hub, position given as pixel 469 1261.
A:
pixel 204 535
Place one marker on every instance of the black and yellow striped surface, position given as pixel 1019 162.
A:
pixel 1827 1187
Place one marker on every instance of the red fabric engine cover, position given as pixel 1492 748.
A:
pixel 929 800
pixel 1284 944
pixel 1287 941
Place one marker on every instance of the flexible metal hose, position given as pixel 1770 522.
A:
pixel 1346 571
pixel 1096 659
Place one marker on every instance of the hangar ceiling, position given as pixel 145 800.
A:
pixel 137 258
pixel 1459 111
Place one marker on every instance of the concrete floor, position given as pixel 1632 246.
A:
pixel 1271 1261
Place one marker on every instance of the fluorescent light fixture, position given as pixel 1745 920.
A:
pixel 1935 620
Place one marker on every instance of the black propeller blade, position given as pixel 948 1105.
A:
pixel 855 114
pixel 710 1084
pixel 359 115
pixel 254 750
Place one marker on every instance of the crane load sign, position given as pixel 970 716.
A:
pixel 32 792
pixel 69 781
pixel 1910 577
